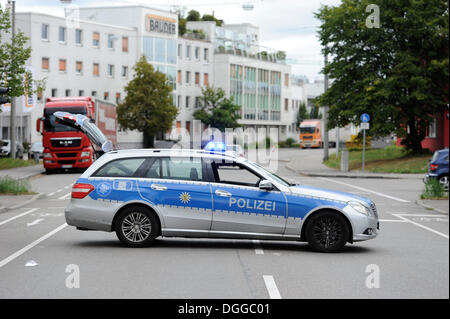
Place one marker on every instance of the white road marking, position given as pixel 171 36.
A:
pixel 31 263
pixel 271 287
pixel 35 222
pixel 65 196
pixel 18 216
pixel 66 187
pixel 421 226
pixel 418 215
pixel 28 247
pixel 59 190
pixel 366 190
pixel 258 248
pixel 392 221
pixel 51 194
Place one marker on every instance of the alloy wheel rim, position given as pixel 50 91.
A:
pixel 136 227
pixel 444 182
pixel 327 232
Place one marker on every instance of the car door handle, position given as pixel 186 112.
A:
pixel 222 193
pixel 158 187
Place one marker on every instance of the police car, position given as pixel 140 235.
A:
pixel 143 194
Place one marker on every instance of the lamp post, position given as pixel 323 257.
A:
pixel 325 117
pixel 12 117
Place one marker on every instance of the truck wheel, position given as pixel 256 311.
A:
pixel 136 226
pixel 327 232
pixel 49 171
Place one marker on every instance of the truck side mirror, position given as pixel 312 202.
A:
pixel 39 125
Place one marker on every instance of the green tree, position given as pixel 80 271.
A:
pixel 13 58
pixel 193 15
pixel 209 17
pixel 148 105
pixel 398 73
pixel 302 113
pixel 217 110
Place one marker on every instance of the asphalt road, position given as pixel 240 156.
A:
pixel 40 256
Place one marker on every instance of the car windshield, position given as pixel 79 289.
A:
pixel 308 129
pixel 50 124
pixel 272 175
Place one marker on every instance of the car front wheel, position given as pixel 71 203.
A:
pixel 327 232
pixel 136 226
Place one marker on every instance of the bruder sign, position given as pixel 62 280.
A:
pixel 154 23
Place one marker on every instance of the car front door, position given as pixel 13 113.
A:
pixel 177 187
pixel 239 204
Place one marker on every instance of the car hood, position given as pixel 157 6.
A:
pixel 329 194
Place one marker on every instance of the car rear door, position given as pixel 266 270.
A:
pixel 178 188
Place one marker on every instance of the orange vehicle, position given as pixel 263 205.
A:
pixel 310 134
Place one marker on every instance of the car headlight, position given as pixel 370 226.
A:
pixel 85 154
pixel 47 155
pixel 360 208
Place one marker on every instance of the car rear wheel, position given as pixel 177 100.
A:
pixel 443 180
pixel 136 226
pixel 327 232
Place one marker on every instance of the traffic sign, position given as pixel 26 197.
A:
pixel 365 118
pixel 365 126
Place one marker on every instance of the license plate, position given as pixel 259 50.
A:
pixel 66 166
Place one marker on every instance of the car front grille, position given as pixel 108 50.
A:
pixel 66 154
pixel 66 142
pixel 374 208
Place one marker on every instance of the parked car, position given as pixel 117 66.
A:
pixel 5 149
pixel 36 148
pixel 438 167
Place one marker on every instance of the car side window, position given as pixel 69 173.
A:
pixel 227 172
pixel 127 167
pixel 181 168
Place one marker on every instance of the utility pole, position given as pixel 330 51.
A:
pixel 325 117
pixel 12 117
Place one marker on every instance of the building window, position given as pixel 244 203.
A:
pixel 286 104
pixel 110 70
pixel 160 50
pixel 78 36
pixel 62 34
pixel 68 93
pixel 205 79
pixel 197 101
pixel 124 71
pixel 54 92
pixel 110 41
pixel 179 101
pixel 79 67
pixel 178 126
pixel 96 69
pixel 188 77
pixel 45 64
pixel 62 65
pixel 179 77
pixel 187 101
pixel 81 93
pixel 94 93
pixel 106 96
pixel 180 48
pixel 197 78
pixel 124 44
pixel 206 54
pixel 44 32
pixel 96 39
pixel 197 53
pixel 188 51
pixel 188 126
pixel 117 98
pixel 286 79
pixel 432 128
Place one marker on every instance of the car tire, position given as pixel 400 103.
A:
pixel 443 180
pixel 137 226
pixel 327 232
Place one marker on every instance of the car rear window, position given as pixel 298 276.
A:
pixel 127 167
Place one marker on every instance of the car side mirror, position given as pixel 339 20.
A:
pixel 265 185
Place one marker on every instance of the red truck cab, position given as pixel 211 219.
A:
pixel 64 146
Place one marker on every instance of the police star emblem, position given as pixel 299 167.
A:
pixel 185 197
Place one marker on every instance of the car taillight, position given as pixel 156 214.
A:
pixel 434 167
pixel 80 190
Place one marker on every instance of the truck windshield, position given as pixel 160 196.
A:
pixel 309 129
pixel 50 124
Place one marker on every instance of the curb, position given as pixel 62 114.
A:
pixel 32 199
pixel 421 203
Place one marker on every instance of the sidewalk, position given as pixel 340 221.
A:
pixel 440 206
pixel 10 202
pixel 22 172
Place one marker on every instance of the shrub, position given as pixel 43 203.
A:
pixel 433 189
pixel 10 185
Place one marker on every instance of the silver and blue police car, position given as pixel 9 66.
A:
pixel 143 194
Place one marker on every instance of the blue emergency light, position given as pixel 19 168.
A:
pixel 215 147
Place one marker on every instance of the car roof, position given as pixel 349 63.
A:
pixel 169 152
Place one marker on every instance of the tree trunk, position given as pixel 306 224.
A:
pixel 149 140
pixel 413 140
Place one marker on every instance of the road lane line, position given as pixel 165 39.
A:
pixel 271 287
pixel 51 194
pixel 422 226
pixel 392 221
pixel 35 222
pixel 18 216
pixel 59 190
pixel 65 196
pixel 28 247
pixel 258 248
pixel 366 190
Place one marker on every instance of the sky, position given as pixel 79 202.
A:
pixel 287 25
